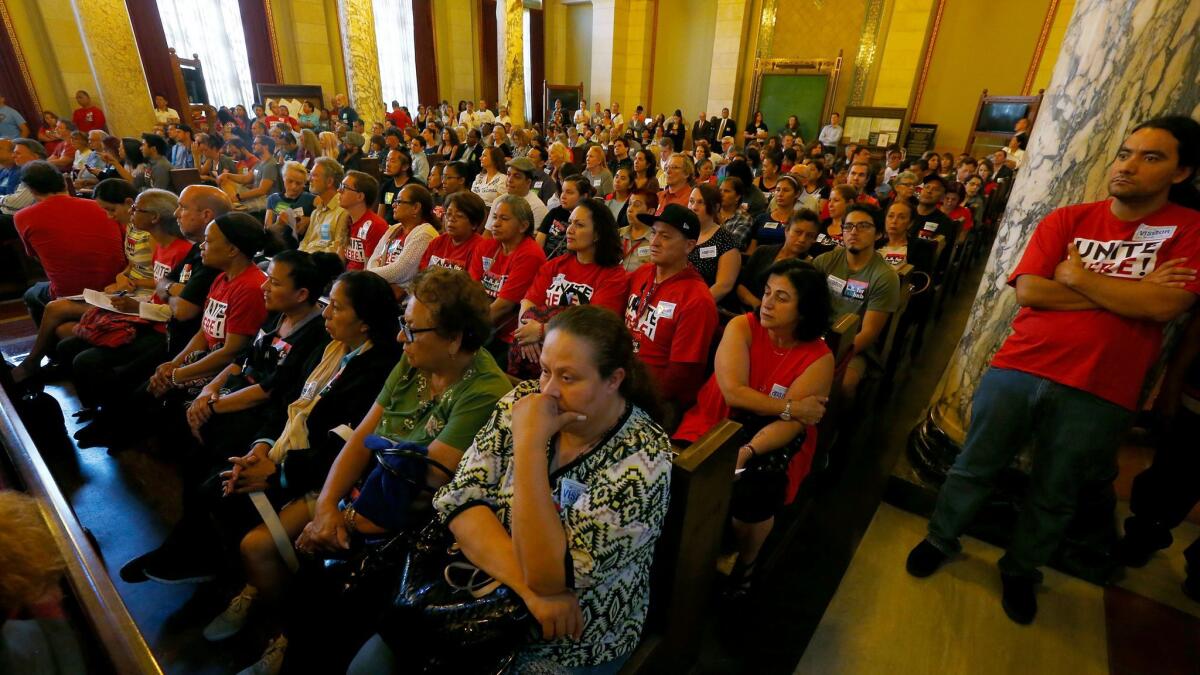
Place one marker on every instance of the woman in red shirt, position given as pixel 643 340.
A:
pixel 506 265
pixel 952 206
pixel 773 375
pixel 455 247
pixel 589 273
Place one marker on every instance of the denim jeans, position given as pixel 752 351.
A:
pixel 37 297
pixel 1075 438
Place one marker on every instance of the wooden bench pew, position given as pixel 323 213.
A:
pixel 685 560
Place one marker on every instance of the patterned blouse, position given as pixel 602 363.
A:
pixel 621 490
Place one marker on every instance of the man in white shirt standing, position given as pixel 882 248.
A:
pixel 618 122
pixel 582 116
pixel 831 133
pixel 483 115
pixel 467 118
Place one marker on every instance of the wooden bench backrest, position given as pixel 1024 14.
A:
pixel 182 178
pixel 685 560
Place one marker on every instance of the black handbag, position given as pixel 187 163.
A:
pixel 450 616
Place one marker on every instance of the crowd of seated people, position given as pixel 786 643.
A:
pixel 276 325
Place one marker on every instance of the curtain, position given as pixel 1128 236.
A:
pixel 213 30
pixel 397 54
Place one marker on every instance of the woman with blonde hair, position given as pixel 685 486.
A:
pixel 310 149
pixel 30 569
pixel 330 146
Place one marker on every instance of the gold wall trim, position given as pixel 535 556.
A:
pixel 11 32
pixel 274 42
pixel 928 60
pixel 1038 50
pixel 868 45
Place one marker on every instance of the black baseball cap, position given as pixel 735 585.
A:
pixel 934 178
pixel 679 217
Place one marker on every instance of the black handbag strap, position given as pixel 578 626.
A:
pixel 408 454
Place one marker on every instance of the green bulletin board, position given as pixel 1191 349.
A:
pixel 799 95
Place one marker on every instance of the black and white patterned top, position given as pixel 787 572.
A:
pixel 611 525
pixel 707 254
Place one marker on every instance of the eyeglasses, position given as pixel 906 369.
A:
pixel 852 227
pixel 410 202
pixel 409 332
pixel 343 187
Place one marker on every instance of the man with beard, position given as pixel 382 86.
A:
pixel 1096 285
pixel 861 282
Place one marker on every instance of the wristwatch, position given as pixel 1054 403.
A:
pixel 786 415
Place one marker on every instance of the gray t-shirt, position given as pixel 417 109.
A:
pixel 268 170
pixel 160 173
pixel 874 287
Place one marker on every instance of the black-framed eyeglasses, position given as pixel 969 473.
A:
pixel 343 187
pixel 409 332
pixel 861 227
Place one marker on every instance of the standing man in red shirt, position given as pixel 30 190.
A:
pixel 670 310
pixel 87 116
pixel 78 245
pixel 1096 285
pixel 357 195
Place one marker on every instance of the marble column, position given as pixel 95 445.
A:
pixel 113 56
pixel 361 55
pixel 1122 62
pixel 510 42
pixel 730 40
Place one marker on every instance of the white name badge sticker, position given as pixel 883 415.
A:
pixel 707 252
pixel 643 250
pixel 595 182
pixel 778 391
pixel 930 226
pixel 537 185
pixel 1151 233
pixel 665 310
pixel 836 285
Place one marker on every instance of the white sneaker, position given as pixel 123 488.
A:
pixel 229 622
pixel 272 659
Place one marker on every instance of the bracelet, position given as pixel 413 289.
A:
pixel 752 450
pixel 174 382
pixel 212 408
pixel 348 518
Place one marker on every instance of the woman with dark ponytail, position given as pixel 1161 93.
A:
pixel 773 375
pixel 228 410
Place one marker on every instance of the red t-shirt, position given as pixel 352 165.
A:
pixel 78 245
pixel 671 322
pixel 507 275
pixel 564 282
pixel 86 119
pixel 962 215
pixel 234 306
pixel 665 196
pixel 166 258
pixel 365 233
pixel 442 252
pixel 770 374
pixel 1095 350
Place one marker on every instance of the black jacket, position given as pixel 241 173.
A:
pixel 349 398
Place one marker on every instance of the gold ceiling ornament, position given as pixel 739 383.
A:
pixel 766 28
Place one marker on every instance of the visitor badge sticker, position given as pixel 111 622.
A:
pixel 707 252
pixel 778 391
pixel 1146 232
pixel 836 285
pixel 665 310
pixel 569 491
